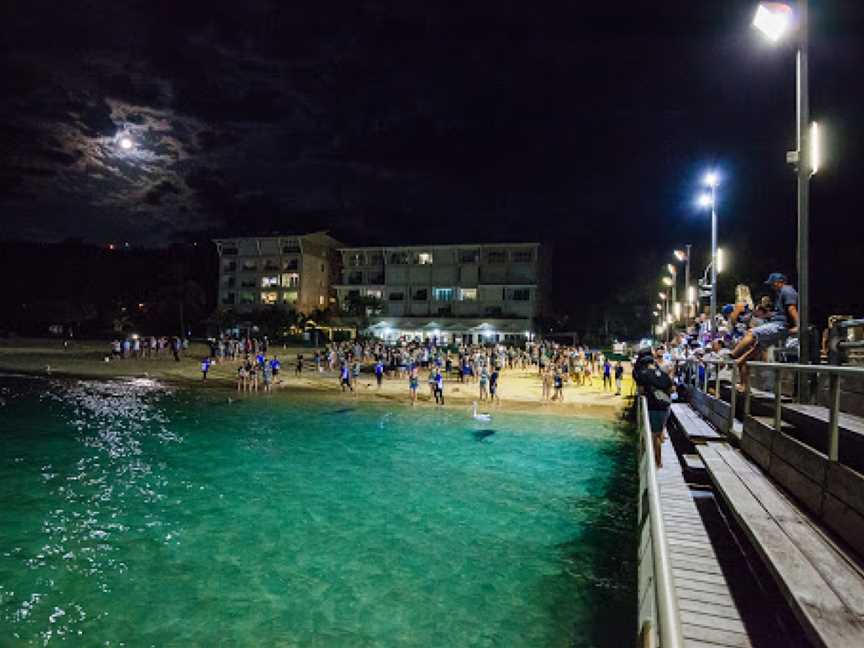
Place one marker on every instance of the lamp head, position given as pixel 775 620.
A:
pixel 773 19
pixel 680 255
pixel 711 179
pixel 705 200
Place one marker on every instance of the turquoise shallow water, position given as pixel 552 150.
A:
pixel 136 515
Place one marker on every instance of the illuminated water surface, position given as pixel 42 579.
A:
pixel 134 514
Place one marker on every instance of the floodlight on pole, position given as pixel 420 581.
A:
pixel 815 149
pixel 681 255
pixel 704 200
pixel 672 269
pixel 773 19
pixel 662 295
pixel 720 260
pixel 709 200
pixel 711 180
pixel 667 281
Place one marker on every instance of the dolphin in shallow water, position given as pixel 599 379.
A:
pixel 344 410
pixel 479 435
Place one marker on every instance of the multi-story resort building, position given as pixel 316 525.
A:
pixel 456 293
pixel 289 271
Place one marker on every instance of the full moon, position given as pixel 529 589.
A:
pixel 125 143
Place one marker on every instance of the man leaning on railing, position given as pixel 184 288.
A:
pixel 656 385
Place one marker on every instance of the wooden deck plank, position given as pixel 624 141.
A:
pixel 715 622
pixel 838 574
pixel 720 637
pixel 822 614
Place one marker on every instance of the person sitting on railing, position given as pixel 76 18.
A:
pixel 775 329
pixel 656 385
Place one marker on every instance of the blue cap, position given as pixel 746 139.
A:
pixel 775 276
pixel 727 309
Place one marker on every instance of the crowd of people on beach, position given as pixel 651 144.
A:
pixel 147 347
pixel 458 367
pixel 742 330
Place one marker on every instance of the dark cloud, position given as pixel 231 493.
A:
pixel 155 195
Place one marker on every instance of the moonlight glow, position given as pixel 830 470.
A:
pixel 125 143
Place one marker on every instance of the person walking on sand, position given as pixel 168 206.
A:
pixel 345 377
pixel 205 367
pixel 379 372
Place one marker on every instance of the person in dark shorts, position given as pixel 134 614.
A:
pixel 656 385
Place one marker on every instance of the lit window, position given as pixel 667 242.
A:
pixel 269 282
pixel 442 294
pixel 374 293
pixel 290 280
pixel 424 258
pixel 289 297
pixel 270 297
pixel 468 294
pixel 320 300
pixel 247 298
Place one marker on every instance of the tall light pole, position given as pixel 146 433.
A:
pixel 775 19
pixel 710 200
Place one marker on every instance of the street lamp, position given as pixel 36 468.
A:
pixel 775 20
pixel 709 199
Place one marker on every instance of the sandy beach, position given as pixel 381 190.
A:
pixel 520 391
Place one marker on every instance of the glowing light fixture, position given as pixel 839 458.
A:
pixel 677 309
pixel 815 149
pixel 711 179
pixel 672 270
pixel 705 200
pixel 667 281
pixel 720 260
pixel 662 295
pixel 773 19
pixel 681 255
pixel 691 295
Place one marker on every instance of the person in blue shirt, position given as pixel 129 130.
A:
pixel 275 365
pixel 205 367
pixel 345 377
pixel 438 387
pixel 379 372
pixel 774 330
pixel 607 375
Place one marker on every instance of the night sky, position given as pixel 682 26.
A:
pixel 584 127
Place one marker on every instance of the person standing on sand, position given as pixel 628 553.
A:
pixel 345 377
pixel 607 375
pixel 205 367
pixel 275 365
pixel 439 387
pixel 413 383
pixel 484 380
pixel 493 387
pixel 267 377
pixel 547 385
pixel 298 369
pixel 379 372
pixel 619 375
pixel 558 381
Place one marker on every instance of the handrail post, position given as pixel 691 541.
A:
pixel 834 421
pixel 717 380
pixel 668 616
pixel 733 397
pixel 747 399
pixel 777 405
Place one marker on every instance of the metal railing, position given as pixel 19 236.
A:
pixel 668 619
pixel 833 372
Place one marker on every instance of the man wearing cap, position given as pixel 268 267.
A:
pixel 776 327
